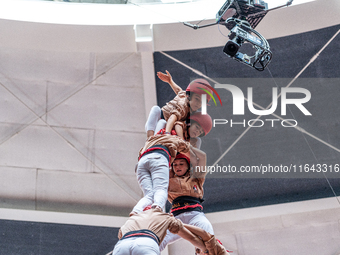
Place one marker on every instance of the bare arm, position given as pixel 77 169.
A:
pixel 170 123
pixel 187 235
pixel 198 160
pixel 167 78
pixel 179 131
pixel 120 235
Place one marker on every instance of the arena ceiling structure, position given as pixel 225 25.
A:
pixel 78 80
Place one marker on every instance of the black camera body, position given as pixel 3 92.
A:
pixel 241 17
pixel 232 47
pixel 240 33
pixel 246 14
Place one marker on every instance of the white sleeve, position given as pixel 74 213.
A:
pixel 198 143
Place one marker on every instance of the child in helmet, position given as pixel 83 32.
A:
pixel 152 170
pixel 199 125
pixel 185 103
pixel 142 233
pixel 185 192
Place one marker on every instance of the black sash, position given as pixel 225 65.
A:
pixel 142 233
pixel 186 204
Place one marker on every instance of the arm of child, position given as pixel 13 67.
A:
pixel 167 78
pixel 179 131
pixel 208 239
pixel 170 123
pixel 198 232
pixel 120 235
pixel 192 238
pixel 198 158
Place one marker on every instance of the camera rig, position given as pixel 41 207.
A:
pixel 241 17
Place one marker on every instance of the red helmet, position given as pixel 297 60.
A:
pixel 183 156
pixel 195 85
pixel 204 120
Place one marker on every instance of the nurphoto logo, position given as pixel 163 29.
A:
pixel 238 105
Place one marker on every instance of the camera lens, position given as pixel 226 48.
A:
pixel 231 48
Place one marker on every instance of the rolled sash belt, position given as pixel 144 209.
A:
pixel 186 204
pixel 161 149
pixel 142 233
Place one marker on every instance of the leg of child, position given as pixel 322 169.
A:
pixel 200 220
pixel 136 246
pixel 151 123
pixel 145 183
pixel 192 218
pixel 159 168
pixel 168 239
pixel 143 246
pixel 160 125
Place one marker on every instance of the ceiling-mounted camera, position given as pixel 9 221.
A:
pixel 241 32
pixel 241 17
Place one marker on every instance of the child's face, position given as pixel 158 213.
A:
pixel 199 252
pixel 195 130
pixel 180 166
pixel 195 102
